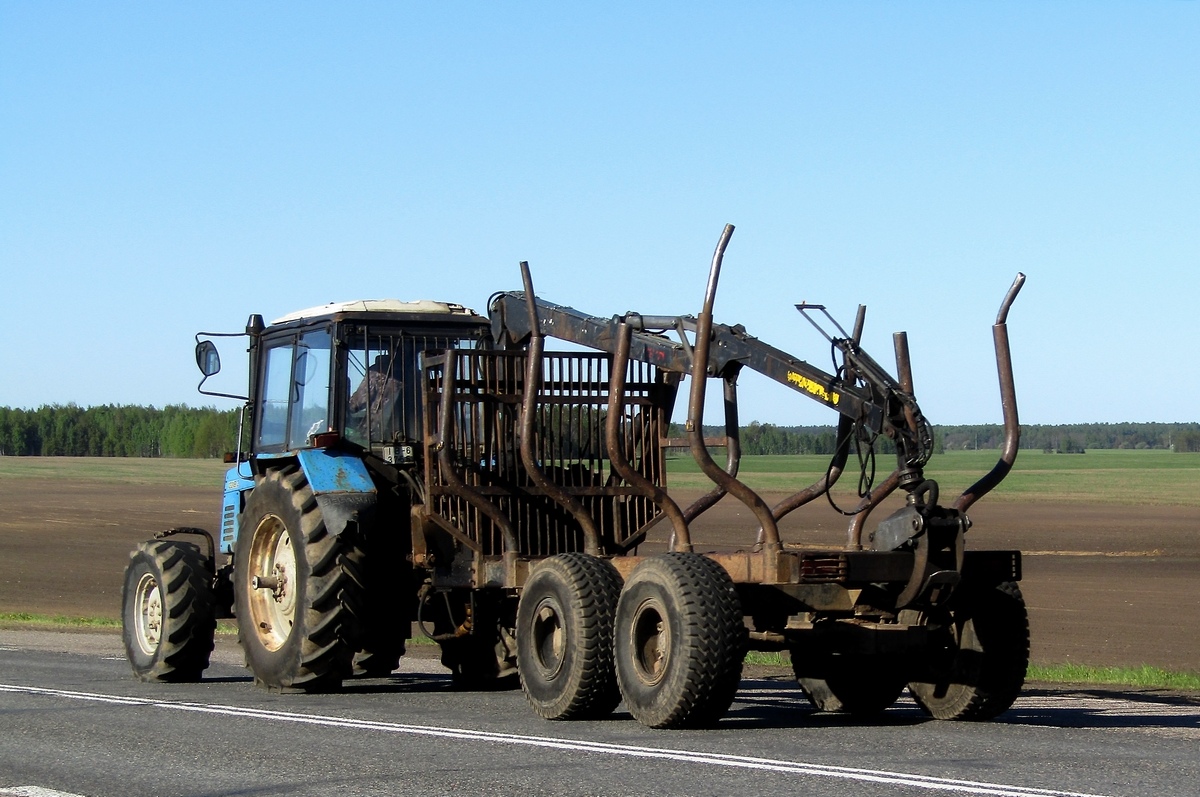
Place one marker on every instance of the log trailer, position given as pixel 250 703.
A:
pixel 416 465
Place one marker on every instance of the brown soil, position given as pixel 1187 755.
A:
pixel 1106 585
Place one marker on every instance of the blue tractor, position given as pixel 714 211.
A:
pixel 335 428
pixel 416 465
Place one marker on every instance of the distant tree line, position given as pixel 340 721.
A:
pixel 117 431
pixel 765 438
pixel 1077 437
pixel 182 431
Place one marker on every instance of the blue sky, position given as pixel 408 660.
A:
pixel 168 168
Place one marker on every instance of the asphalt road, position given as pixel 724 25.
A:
pixel 73 721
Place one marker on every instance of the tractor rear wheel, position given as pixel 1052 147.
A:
pixel 298 590
pixel 989 655
pixel 679 641
pixel 565 637
pixel 167 612
pixel 386 616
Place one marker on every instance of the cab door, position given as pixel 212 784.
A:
pixel 293 395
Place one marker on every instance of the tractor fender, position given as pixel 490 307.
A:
pixel 341 484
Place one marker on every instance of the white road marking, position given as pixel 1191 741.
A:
pixel 33 791
pixel 632 751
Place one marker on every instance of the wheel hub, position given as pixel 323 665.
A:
pixel 549 638
pixel 273 593
pixel 149 614
pixel 651 642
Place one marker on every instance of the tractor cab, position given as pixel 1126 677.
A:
pixel 344 379
pixel 348 374
pixel 345 374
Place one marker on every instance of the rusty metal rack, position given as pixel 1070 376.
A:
pixel 529 474
pixel 531 453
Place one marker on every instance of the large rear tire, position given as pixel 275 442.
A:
pixel 387 613
pixel 565 637
pixel 985 670
pixel 167 612
pixel 679 641
pixel 298 590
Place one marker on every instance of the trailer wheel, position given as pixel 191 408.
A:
pixel 989 655
pixel 298 588
pixel 377 661
pixel 862 688
pixel 167 613
pixel 565 637
pixel 481 664
pixel 679 641
pixel 475 631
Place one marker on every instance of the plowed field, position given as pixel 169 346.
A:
pixel 1106 584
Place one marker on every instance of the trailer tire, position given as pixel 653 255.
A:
pixel 986 668
pixel 679 641
pixel 167 611
pixel 481 664
pixel 301 634
pixel 476 635
pixel 565 637
pixel 861 688
pixel 378 660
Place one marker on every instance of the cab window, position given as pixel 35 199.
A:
pixel 310 388
pixel 277 385
pixel 294 399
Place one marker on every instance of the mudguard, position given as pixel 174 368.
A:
pixel 342 486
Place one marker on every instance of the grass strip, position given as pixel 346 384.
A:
pixel 57 620
pixel 1144 677
pixel 768 658
pixel 28 620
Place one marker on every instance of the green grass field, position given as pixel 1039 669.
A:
pixel 1141 478
pixel 127 470
pixel 1131 478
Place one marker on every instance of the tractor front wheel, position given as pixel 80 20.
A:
pixel 167 613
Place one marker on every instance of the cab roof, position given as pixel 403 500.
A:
pixel 379 306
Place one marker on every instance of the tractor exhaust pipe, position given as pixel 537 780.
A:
pixel 1008 403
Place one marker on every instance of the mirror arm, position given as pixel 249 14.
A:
pixel 201 362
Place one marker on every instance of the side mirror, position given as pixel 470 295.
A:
pixel 207 358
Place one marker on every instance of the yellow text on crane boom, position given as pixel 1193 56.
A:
pixel 813 388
